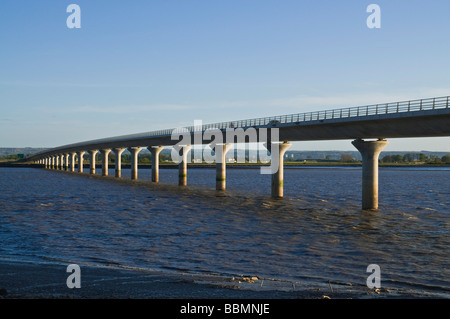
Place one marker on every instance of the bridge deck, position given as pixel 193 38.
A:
pixel 416 118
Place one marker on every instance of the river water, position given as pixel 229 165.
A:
pixel 316 236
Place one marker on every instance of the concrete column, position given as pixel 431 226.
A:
pixel 53 162
pixel 105 167
pixel 72 162
pixel 46 161
pixel 118 154
pixel 155 150
pixel 182 166
pixel 66 161
pixel 278 161
pixel 370 151
pixel 92 154
pixel 134 161
pixel 221 165
pixel 80 161
pixel 61 163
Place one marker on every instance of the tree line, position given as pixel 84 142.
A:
pixel 406 158
pixel 414 157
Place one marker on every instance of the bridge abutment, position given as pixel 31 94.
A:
pixel 370 151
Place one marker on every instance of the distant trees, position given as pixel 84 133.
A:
pixel 423 157
pixel 415 157
pixel 387 159
pixel 9 158
pixel 446 159
pixel 347 158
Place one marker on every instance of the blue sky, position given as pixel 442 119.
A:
pixel 137 66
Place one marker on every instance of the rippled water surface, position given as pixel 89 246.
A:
pixel 316 234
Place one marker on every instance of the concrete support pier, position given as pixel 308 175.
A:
pixel 80 161
pixel 182 166
pixel 155 150
pixel 92 155
pixel 46 162
pixel 134 161
pixel 278 176
pixel 57 162
pixel 118 161
pixel 61 163
pixel 221 165
pixel 72 162
pixel 370 151
pixel 105 154
pixel 66 162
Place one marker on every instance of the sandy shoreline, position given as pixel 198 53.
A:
pixel 48 280
pixel 26 280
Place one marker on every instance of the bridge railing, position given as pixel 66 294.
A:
pixel 297 118
pixel 359 111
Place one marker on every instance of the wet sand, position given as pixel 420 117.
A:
pixel 22 280
pixel 27 288
pixel 29 280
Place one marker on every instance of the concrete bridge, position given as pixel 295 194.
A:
pixel 406 119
